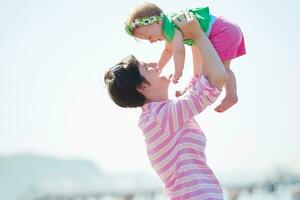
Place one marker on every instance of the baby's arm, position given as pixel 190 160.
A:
pixel 178 55
pixel 198 65
pixel 165 56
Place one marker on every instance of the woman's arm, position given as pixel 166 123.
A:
pixel 165 56
pixel 214 68
pixel 197 61
pixel 198 96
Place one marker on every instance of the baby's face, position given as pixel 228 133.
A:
pixel 152 33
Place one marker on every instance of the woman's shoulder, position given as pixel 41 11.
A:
pixel 151 112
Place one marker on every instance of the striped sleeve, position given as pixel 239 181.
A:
pixel 198 96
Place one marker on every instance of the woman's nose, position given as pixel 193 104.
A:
pixel 157 69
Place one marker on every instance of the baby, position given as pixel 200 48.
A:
pixel 147 21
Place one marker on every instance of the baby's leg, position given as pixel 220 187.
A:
pixel 231 97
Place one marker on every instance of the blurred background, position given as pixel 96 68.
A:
pixel 61 137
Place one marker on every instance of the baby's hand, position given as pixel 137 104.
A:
pixel 179 93
pixel 175 77
pixel 159 67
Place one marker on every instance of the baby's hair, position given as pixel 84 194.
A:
pixel 143 10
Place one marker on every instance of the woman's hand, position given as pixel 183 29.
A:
pixel 188 24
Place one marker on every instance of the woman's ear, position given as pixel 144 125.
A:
pixel 142 88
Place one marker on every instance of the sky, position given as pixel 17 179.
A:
pixel 53 101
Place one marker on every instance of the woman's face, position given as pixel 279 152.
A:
pixel 158 84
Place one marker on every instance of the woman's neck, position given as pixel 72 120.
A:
pixel 158 98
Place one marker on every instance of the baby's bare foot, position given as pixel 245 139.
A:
pixel 226 103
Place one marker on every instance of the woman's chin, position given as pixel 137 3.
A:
pixel 165 78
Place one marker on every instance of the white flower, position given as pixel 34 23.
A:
pixel 146 21
pixel 135 23
pixel 152 18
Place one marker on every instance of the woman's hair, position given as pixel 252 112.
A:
pixel 143 10
pixel 122 81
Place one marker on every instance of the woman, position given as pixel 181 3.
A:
pixel 175 143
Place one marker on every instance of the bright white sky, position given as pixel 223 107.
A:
pixel 53 55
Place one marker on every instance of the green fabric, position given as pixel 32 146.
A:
pixel 202 14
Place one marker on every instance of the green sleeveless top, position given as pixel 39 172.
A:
pixel 202 14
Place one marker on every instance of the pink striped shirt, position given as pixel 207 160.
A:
pixel 176 144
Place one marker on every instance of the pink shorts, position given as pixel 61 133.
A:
pixel 227 38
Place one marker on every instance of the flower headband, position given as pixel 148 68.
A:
pixel 144 21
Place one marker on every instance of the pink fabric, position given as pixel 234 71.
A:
pixel 176 144
pixel 227 38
